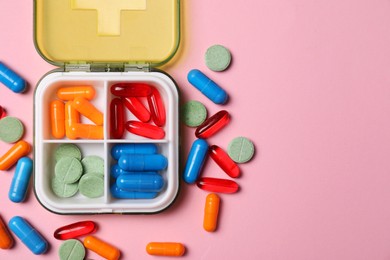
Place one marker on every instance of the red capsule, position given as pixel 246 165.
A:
pixel 117 118
pixel 145 130
pixel 2 112
pixel 131 90
pixel 157 108
pixel 213 124
pixel 137 108
pixel 217 185
pixel 224 161
pixel 74 230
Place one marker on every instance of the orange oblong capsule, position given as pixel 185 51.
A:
pixel 88 110
pixel 70 93
pixel 72 117
pixel 101 248
pixel 211 210
pixel 57 118
pixel 85 131
pixel 165 249
pixel 17 151
pixel 6 241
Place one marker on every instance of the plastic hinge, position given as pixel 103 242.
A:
pixel 106 67
pixel 77 67
pixel 137 67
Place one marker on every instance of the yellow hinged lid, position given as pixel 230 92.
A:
pixel 107 31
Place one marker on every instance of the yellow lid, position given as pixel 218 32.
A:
pixel 107 31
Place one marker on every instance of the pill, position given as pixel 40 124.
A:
pixel 207 87
pixel 3 113
pixel 17 151
pixel 217 58
pixel 20 180
pixel 117 118
pixel 165 249
pixel 217 185
pixel 224 161
pixel 211 210
pixel 213 124
pixel 93 164
pixel 67 150
pixel 118 193
pixel 85 131
pixel 145 130
pixel 64 190
pixel 120 149
pixel 91 185
pixel 70 93
pixel 57 118
pixel 140 182
pixel 116 171
pixel 11 129
pixel 137 108
pixel 195 161
pixel 157 108
pixel 131 90
pixel 12 80
pixel 71 249
pixel 28 235
pixel 143 162
pixel 241 149
pixel 72 117
pixel 6 240
pixel 193 113
pixel 76 229
pixel 68 170
pixel 101 248
pixel 87 109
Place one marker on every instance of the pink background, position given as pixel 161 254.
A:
pixel 309 85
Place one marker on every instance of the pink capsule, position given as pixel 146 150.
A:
pixel 74 230
pixel 213 124
pixel 2 112
pixel 117 118
pixel 145 130
pixel 217 185
pixel 224 161
pixel 137 108
pixel 157 108
pixel 131 90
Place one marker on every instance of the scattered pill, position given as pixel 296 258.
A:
pixel 70 93
pixel 57 118
pixel 131 90
pixel 74 230
pixel 118 193
pixel 12 80
pixel 17 151
pixel 140 182
pixel 87 109
pixel 143 162
pixel 217 58
pixel 224 161
pixel 165 249
pixel 64 190
pixel 117 116
pixel 116 171
pixel 137 108
pixel 157 109
pixel 6 240
pixel 213 124
pixel 145 130
pixel 68 170
pixel 217 185
pixel 91 185
pixel 120 149
pixel 3 113
pixel 28 235
pixel 101 248
pixel 71 249
pixel 85 131
pixel 211 210
pixel 195 161
pixel 93 164
pixel 11 129
pixel 193 113
pixel 67 150
pixel 241 149
pixel 72 117
pixel 20 180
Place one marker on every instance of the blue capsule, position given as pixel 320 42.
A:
pixel 12 80
pixel 116 171
pixel 18 190
pixel 120 149
pixel 28 235
pixel 118 193
pixel 195 161
pixel 141 182
pixel 143 162
pixel 208 87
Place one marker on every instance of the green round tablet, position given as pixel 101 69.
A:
pixel 91 185
pixel 93 164
pixel 241 149
pixel 63 190
pixel 68 170
pixel 71 249
pixel 218 58
pixel 11 129
pixel 67 150
pixel 193 113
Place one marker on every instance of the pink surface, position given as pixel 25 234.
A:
pixel 309 85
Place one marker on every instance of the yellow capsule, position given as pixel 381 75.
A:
pixel 101 248
pixel 85 131
pixel 70 93
pixel 88 110
pixel 211 210
pixel 165 248
pixel 57 118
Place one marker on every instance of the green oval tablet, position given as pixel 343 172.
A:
pixel 218 58
pixel 71 249
pixel 241 149
pixel 67 150
pixel 193 113
pixel 68 170
pixel 63 190
pixel 11 129
pixel 91 185
pixel 93 164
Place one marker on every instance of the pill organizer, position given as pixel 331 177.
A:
pixel 99 44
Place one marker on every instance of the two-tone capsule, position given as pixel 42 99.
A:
pixel 165 249
pixel 217 185
pixel 195 161
pixel 211 211
pixel 17 151
pixel 224 161
pixel 213 124
pixel 145 130
pixel 11 79
pixel 143 162
pixel 20 180
pixel 102 248
pixel 117 118
pixel 75 230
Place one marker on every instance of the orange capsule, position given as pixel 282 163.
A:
pixel 20 149
pixel 165 248
pixel 88 110
pixel 72 117
pixel 101 248
pixel 211 210
pixel 85 131
pixel 57 118
pixel 6 240
pixel 70 93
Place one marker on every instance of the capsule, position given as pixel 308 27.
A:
pixel 157 108
pixel 195 161
pixel 217 185
pixel 120 149
pixel 165 249
pixel 75 230
pixel 17 151
pixel 18 189
pixel 131 90
pixel 85 131
pixel 6 240
pixel 57 118
pixel 145 130
pixel 118 193
pixel 88 110
pixel 224 161
pixel 102 248
pixel 212 124
pixel 116 171
pixel 70 93
pixel 12 80
pixel 72 117
pixel 207 87
pixel 143 162
pixel 137 108
pixel 211 210
pixel 117 118
pixel 3 113
pixel 140 182
pixel 28 235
